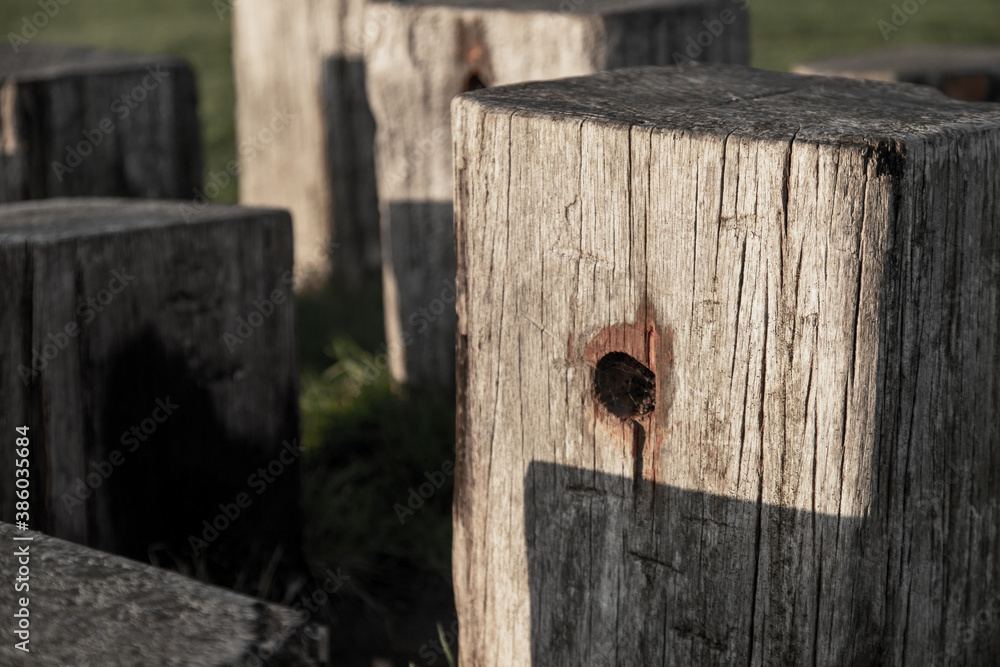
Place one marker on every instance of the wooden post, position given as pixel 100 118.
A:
pixel 301 62
pixel 85 122
pixel 728 372
pixel 87 607
pixel 427 53
pixel 152 360
pixel 964 72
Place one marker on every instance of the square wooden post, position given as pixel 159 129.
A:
pixel 424 54
pixel 729 368
pixel 298 67
pixel 88 607
pixel 87 122
pixel 151 354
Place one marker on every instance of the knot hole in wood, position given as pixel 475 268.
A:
pixel 624 386
pixel 474 82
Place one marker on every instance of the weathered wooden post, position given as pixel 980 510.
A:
pixel 728 372
pixel 964 72
pixel 301 62
pixel 85 122
pixel 87 607
pixel 150 353
pixel 426 53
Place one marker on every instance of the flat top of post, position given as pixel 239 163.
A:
pixel 733 100
pixel 555 6
pixel 49 61
pixel 932 57
pixel 57 219
pixel 98 608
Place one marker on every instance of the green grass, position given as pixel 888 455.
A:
pixel 188 28
pixel 785 32
pixel 376 448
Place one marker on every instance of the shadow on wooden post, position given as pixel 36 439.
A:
pixel 421 246
pixel 659 575
pixel 152 358
pixel 425 53
pixel 303 61
pixel 808 269
pixel 356 257
pixel 175 478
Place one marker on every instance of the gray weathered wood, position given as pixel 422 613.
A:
pixel 810 267
pixel 426 54
pixel 304 59
pixel 963 72
pixel 120 315
pixel 87 122
pixel 91 608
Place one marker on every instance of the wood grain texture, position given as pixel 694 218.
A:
pixel 88 122
pixel 128 329
pixel 303 59
pixel 964 72
pixel 425 55
pixel 810 268
pixel 103 609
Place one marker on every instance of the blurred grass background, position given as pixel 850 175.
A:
pixel 783 32
pixel 366 444
pixel 188 28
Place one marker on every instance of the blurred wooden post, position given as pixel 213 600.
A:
pixel 88 607
pixel 151 354
pixel 964 72
pixel 426 53
pixel 728 372
pixel 298 68
pixel 86 122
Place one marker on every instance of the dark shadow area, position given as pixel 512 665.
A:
pixel 971 87
pixel 350 151
pixel 327 312
pixel 180 470
pixel 423 250
pixel 690 578
pixel 369 444
pixel 625 387
pixel 378 494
